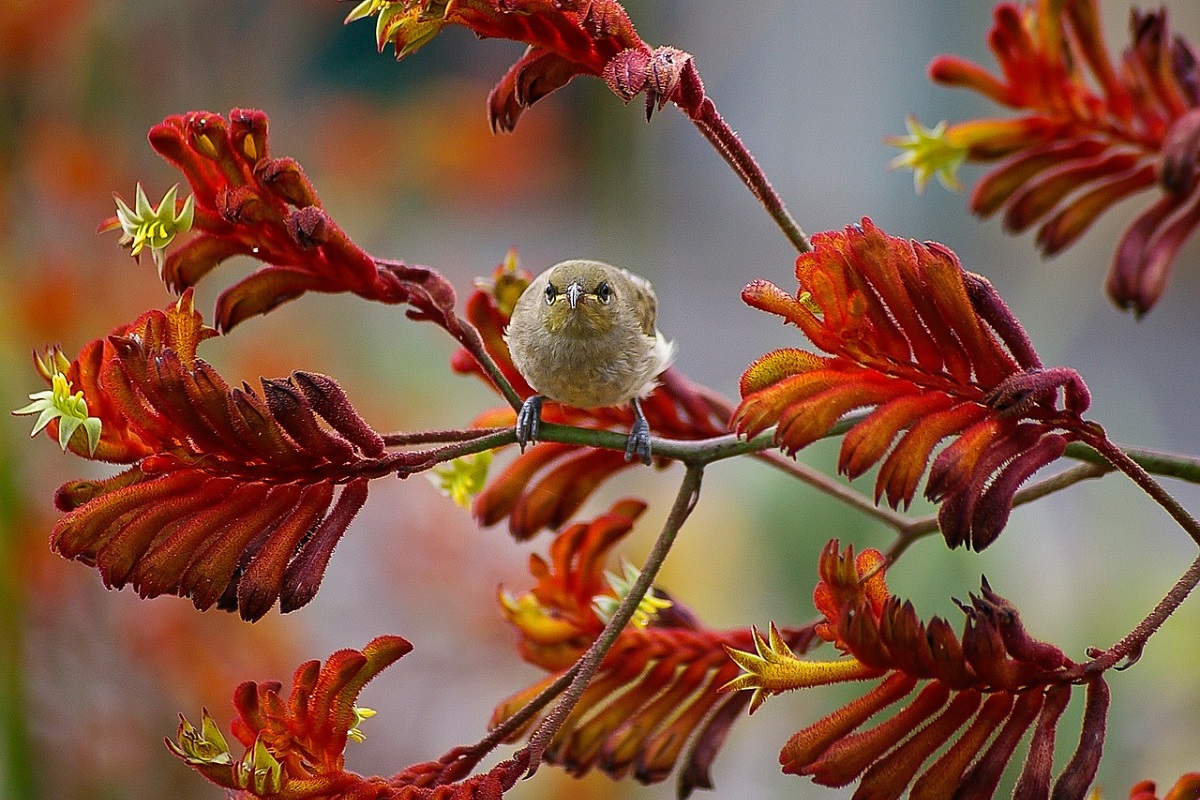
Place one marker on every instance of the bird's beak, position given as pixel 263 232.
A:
pixel 574 292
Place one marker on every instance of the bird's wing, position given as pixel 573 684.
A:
pixel 645 302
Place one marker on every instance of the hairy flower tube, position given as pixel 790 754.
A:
pixel 935 352
pixel 996 679
pixel 1090 132
pixel 657 692
pixel 295 748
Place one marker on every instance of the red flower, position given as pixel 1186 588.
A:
pixel 247 203
pixel 231 498
pixel 1092 133
pixel 996 678
pixel 296 748
pixel 566 38
pixel 546 485
pixel 936 353
pixel 657 691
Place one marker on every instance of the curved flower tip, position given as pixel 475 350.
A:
pixel 656 700
pixel 565 39
pixel 935 353
pixel 294 748
pixel 245 202
pixel 1090 133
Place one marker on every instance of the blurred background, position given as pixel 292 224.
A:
pixel 90 681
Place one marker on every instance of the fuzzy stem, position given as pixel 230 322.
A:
pixel 701 110
pixel 472 755
pixel 1130 648
pixel 714 128
pixel 1119 459
pixel 589 662
pixel 438 437
pixel 469 338
pixel 834 488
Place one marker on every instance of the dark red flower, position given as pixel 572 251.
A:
pixel 997 680
pixel 936 353
pixel 566 38
pixel 233 499
pixel 1091 133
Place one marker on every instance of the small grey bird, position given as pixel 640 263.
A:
pixel 583 333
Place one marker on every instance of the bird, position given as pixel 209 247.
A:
pixel 583 333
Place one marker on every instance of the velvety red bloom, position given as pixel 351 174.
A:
pixel 658 689
pixel 547 484
pixel 936 353
pixel 996 680
pixel 247 203
pixel 233 499
pixel 1092 133
pixel 566 38
pixel 295 748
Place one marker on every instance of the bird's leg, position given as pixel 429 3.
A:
pixel 639 436
pixel 529 421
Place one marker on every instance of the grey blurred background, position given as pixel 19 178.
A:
pixel 403 159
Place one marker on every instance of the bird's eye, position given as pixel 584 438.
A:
pixel 604 292
pixel 551 294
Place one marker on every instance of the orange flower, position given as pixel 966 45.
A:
pixel 657 691
pixel 936 353
pixel 1091 134
pixel 295 749
pixel 1186 788
pixel 996 677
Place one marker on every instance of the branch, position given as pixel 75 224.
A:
pixel 585 668
pixel 835 489
pixel 716 130
pixel 1130 648
pixel 1124 462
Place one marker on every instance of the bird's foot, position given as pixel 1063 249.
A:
pixel 529 421
pixel 639 437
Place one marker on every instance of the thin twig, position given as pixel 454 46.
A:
pixel 1122 461
pixel 589 662
pixel 402 438
pixel 1130 648
pixel 834 488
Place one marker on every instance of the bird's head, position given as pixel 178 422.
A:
pixel 581 298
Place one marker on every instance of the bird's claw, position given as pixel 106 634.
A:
pixel 529 421
pixel 638 441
